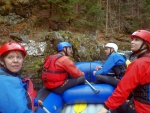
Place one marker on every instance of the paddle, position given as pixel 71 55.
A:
pixel 45 109
pixel 93 88
pixel 78 108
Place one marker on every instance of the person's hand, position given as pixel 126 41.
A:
pixel 94 72
pixel 103 110
pixel 40 102
pixel 98 67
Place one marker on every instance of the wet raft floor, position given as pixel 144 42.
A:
pixel 82 108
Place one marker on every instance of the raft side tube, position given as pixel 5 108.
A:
pixel 53 103
pixel 84 94
pixel 88 68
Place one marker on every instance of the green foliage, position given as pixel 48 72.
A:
pixel 146 7
pixel 89 15
pixel 39 22
pixel 144 17
pixel 54 1
pixel 35 64
pixel 123 15
pixel 79 13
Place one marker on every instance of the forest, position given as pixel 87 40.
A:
pixel 48 20
pixel 105 16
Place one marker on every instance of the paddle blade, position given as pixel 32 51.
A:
pixel 78 108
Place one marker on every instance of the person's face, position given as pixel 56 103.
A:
pixel 136 44
pixel 69 50
pixel 107 50
pixel 14 61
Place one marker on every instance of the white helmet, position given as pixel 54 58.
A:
pixel 112 45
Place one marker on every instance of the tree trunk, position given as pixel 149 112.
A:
pixel 106 28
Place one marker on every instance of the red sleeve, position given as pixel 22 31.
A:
pixel 125 86
pixel 68 65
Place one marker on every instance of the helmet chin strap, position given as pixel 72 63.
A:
pixel 66 53
pixel 110 52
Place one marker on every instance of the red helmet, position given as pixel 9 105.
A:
pixel 143 34
pixel 12 46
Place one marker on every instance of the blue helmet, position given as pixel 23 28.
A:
pixel 61 45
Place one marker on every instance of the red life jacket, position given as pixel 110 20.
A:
pixel 30 93
pixel 50 75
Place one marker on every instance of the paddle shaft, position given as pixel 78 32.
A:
pixel 93 88
pixel 46 110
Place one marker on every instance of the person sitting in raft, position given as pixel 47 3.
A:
pixel 59 72
pixel 137 81
pixel 14 94
pixel 113 68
